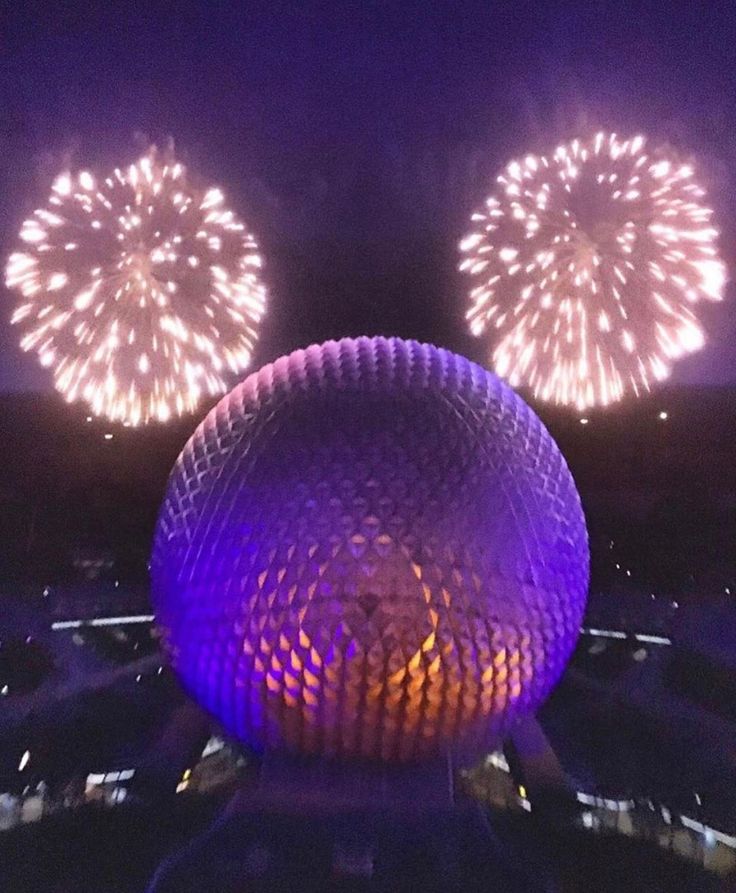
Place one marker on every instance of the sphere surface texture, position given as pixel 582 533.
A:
pixel 370 548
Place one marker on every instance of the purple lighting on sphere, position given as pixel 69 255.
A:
pixel 370 548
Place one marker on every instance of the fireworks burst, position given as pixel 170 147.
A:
pixel 141 291
pixel 588 264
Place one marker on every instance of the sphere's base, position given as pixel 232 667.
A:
pixel 412 845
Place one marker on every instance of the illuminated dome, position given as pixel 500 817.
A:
pixel 370 548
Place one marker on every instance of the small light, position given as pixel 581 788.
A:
pixel 584 421
pixel 663 416
pixel 89 418
pixel 24 761
pixel 108 437
pixel 522 791
pixel 4 690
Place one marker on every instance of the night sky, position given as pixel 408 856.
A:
pixel 356 138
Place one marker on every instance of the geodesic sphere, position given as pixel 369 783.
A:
pixel 370 548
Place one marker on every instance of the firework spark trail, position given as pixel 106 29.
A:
pixel 141 291
pixel 588 264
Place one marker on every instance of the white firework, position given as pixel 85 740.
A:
pixel 141 291
pixel 587 267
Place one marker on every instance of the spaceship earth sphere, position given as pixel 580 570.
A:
pixel 587 267
pixel 141 291
pixel 371 548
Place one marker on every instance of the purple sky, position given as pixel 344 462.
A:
pixel 356 138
